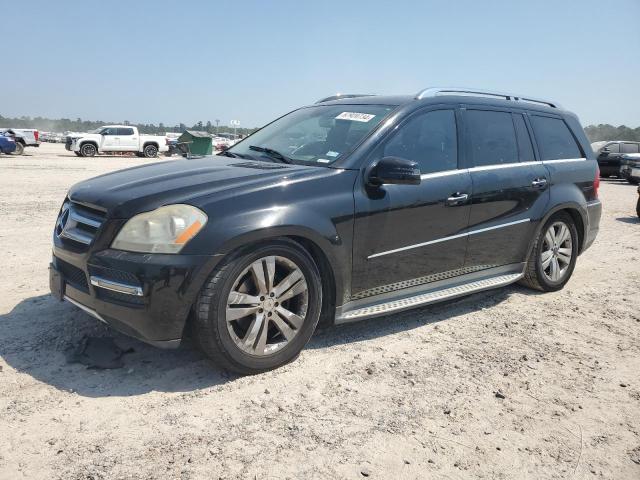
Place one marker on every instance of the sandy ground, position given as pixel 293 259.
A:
pixel 406 396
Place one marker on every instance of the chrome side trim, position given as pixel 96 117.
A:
pixel 565 160
pixel 499 166
pixel 445 239
pixel 88 310
pixel 427 298
pixel 116 286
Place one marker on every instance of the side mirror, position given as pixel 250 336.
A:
pixel 394 170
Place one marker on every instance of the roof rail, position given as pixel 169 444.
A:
pixel 340 96
pixel 434 91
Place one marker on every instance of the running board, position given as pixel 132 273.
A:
pixel 433 296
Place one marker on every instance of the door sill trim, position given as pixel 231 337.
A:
pixel 347 315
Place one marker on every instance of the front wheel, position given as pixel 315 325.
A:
pixel 150 151
pixel 554 254
pixel 88 150
pixel 259 308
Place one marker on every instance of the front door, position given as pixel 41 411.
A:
pixel 110 140
pixel 407 235
pixel 510 188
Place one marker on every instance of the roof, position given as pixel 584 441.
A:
pixel 449 96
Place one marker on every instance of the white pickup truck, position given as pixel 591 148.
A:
pixel 116 138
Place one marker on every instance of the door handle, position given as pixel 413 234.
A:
pixel 457 199
pixel 539 183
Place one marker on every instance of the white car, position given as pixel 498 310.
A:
pixel 116 138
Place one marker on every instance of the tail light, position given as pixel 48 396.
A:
pixel 596 182
pixel 36 134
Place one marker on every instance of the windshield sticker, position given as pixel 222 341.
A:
pixel 332 154
pixel 355 116
pixel 323 160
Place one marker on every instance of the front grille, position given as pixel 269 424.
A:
pixel 72 275
pixel 115 275
pixel 78 225
pixel 68 142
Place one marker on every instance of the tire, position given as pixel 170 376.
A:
pixel 150 151
pixel 638 207
pixel 537 275
pixel 242 344
pixel 633 181
pixel 19 149
pixel 604 175
pixel 88 150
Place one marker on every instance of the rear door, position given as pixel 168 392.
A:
pixel 510 187
pixel 128 139
pixel 408 235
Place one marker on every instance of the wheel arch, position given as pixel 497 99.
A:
pixel 578 214
pixel 150 142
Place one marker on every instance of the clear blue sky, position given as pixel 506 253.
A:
pixel 162 61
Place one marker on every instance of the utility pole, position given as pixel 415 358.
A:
pixel 217 126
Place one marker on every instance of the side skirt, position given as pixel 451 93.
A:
pixel 434 292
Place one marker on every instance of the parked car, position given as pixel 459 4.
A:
pixel 116 138
pixel 610 153
pixel 7 143
pixel 24 137
pixel 382 204
pixel 638 204
pixel 630 167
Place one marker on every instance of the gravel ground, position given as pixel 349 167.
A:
pixel 504 384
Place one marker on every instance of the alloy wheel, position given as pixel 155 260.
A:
pixel 556 252
pixel 267 305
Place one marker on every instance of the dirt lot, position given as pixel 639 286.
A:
pixel 406 396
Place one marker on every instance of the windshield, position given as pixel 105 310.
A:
pixel 315 135
pixel 97 130
pixel 597 146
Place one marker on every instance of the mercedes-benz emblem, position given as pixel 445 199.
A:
pixel 62 219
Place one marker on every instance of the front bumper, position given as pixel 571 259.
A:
pixel 146 296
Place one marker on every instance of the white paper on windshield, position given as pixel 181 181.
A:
pixel 323 160
pixel 355 116
pixel 331 153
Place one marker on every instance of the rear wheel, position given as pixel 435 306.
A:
pixel 88 150
pixel 150 151
pixel 259 309
pixel 19 149
pixel 554 254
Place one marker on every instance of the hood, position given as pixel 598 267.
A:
pixel 125 193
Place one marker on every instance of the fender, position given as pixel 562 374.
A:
pixel 567 204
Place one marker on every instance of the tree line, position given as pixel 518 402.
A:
pixel 595 133
pixel 79 125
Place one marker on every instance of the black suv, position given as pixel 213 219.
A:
pixel 354 207
pixel 609 155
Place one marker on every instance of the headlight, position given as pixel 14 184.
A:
pixel 165 230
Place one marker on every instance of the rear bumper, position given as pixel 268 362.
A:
pixel 594 211
pixel 146 296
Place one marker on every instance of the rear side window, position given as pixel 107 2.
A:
pixel 430 139
pixel 125 131
pixel 491 137
pixel 554 138
pixel 629 148
pixel 525 148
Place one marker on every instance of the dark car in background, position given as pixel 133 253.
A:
pixel 343 210
pixel 609 155
pixel 7 143
pixel 630 167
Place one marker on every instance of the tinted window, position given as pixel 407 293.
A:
pixel 629 148
pixel 613 148
pixel 525 148
pixel 491 137
pixel 430 139
pixel 125 131
pixel 554 138
pixel 110 131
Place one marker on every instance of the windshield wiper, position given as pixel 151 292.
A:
pixel 271 152
pixel 227 153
